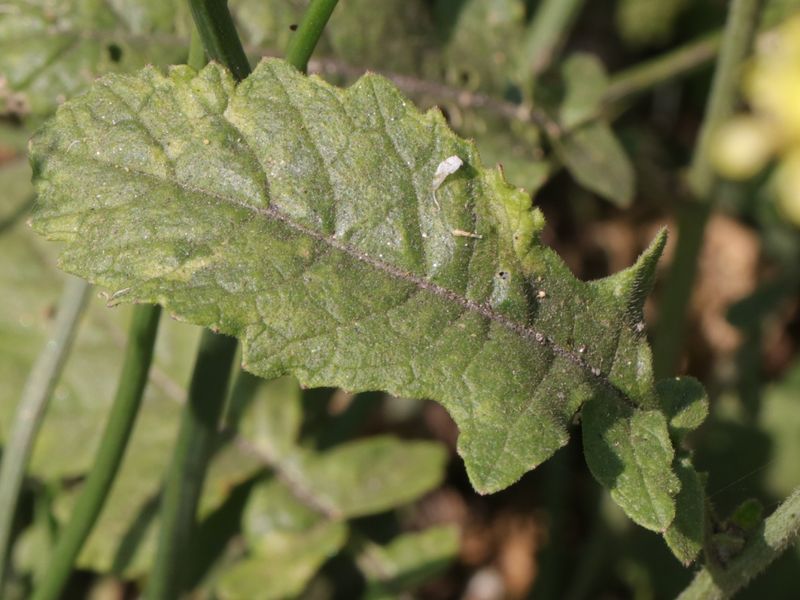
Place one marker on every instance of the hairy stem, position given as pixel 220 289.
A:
pixel 308 33
pixel 193 450
pixel 32 405
pixel 138 356
pixel 767 543
pixel 740 30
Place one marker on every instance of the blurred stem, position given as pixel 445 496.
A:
pixel 197 53
pixel 215 25
pixel 552 562
pixel 138 356
pixel 593 557
pixel 193 450
pixel 544 38
pixel 32 405
pixel 651 73
pixel 767 543
pixel 305 39
pixel 737 39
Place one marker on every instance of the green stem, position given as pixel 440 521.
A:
pixel 651 73
pixel 669 333
pixel 209 386
pixel 740 30
pixel 32 405
pixel 138 356
pixel 197 53
pixel 775 534
pixel 218 33
pixel 308 33
pixel 544 38
pixel 552 561
pixel 739 34
pixel 208 389
pixel 193 450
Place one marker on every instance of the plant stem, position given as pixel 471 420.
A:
pixel 209 386
pixel 193 450
pixel 552 561
pixel 197 53
pixel 775 534
pixel 740 30
pixel 138 356
pixel 544 37
pixel 208 389
pixel 308 33
pixel 671 65
pixel 218 33
pixel 32 405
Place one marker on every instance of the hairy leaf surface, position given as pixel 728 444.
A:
pixel 302 219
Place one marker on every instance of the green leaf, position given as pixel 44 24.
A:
pixel 748 515
pixel 301 218
pixel 294 521
pixel 267 414
pixel 685 536
pixel 481 34
pixel 408 561
pixel 629 451
pixel 685 402
pixel 596 159
pixel 368 476
pixel 591 152
pixel 287 554
pixel 585 80
pixel 51 50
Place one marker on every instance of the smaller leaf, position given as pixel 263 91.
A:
pixel 285 564
pixel 408 561
pixel 628 450
pixel 685 536
pixel 595 158
pixel 369 476
pixel 748 515
pixel 267 413
pixel 591 152
pixel 685 402
pixel 586 80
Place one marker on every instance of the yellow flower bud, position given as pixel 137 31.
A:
pixel 742 147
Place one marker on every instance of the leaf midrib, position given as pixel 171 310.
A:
pixel 271 212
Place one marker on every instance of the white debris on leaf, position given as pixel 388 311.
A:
pixel 447 167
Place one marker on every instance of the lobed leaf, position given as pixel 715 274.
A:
pixel 302 219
